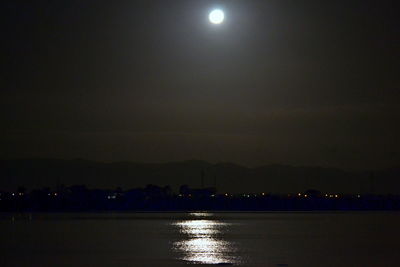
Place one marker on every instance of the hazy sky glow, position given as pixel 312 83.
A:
pixel 297 82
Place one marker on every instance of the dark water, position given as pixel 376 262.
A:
pixel 175 239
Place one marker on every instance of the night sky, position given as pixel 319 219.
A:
pixel 292 82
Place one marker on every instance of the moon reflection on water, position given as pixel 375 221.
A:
pixel 202 241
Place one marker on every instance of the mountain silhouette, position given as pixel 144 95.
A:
pixel 228 177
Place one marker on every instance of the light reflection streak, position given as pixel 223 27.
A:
pixel 202 241
pixel 200 214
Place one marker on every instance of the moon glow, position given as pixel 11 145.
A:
pixel 216 16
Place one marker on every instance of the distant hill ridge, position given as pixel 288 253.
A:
pixel 228 177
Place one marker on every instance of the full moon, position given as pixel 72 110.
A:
pixel 216 16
